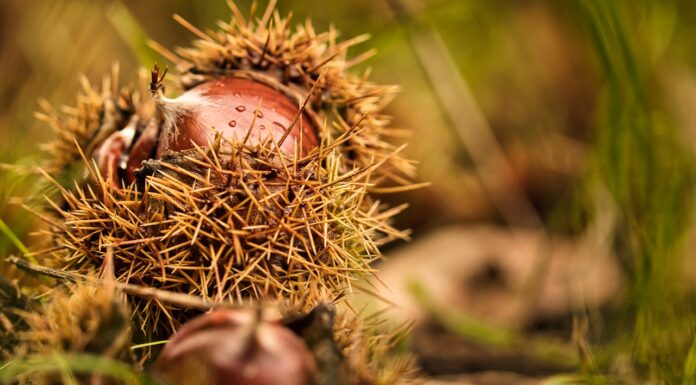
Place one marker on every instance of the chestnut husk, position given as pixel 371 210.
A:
pixel 292 218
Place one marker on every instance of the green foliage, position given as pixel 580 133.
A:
pixel 68 366
pixel 650 175
pixel 487 334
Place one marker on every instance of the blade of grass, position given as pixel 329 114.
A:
pixel 690 366
pixel 5 229
pixel 148 344
pixel 493 335
pixel 73 363
pixel 132 33
pixel 463 324
pixel 650 176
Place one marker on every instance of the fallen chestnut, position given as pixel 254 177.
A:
pixel 236 108
pixel 241 110
pixel 239 347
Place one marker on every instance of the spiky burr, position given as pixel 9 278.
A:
pixel 254 182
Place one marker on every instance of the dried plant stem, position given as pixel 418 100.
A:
pixel 177 299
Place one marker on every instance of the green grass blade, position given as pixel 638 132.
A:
pixel 5 229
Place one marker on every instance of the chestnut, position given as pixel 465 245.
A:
pixel 236 347
pixel 241 110
pixel 238 109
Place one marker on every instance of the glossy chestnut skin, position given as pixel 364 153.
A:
pixel 234 347
pixel 228 105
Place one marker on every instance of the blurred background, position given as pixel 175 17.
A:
pixel 554 244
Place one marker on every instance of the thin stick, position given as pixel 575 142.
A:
pixel 177 299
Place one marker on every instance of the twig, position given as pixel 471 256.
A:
pixel 178 299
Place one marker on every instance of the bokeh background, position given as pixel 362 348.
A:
pixel 554 244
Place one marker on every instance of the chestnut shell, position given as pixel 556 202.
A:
pixel 232 347
pixel 229 105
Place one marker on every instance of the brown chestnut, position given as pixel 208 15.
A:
pixel 238 109
pixel 235 347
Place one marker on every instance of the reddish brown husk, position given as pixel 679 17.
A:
pixel 235 347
